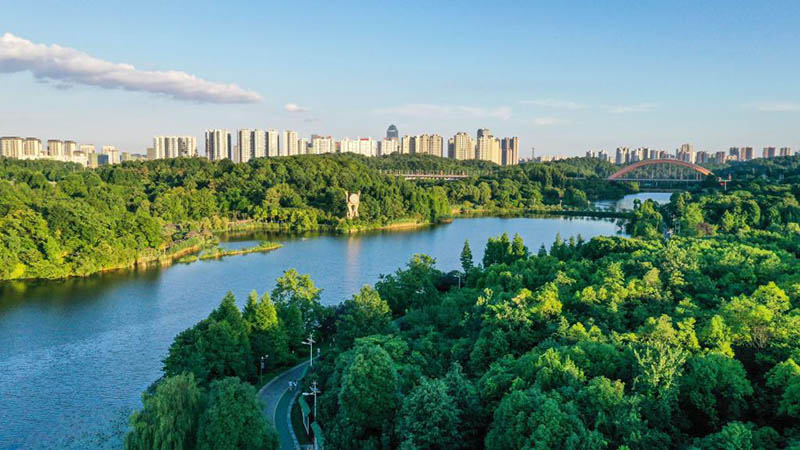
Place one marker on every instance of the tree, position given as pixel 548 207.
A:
pixel 714 389
pixel 429 417
pixel 537 420
pixel 466 257
pixel 234 420
pixel 296 294
pixel 168 419
pixel 267 336
pixel 368 396
pixel 365 314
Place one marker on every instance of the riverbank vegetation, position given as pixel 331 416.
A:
pixel 686 335
pixel 219 252
pixel 59 220
pixel 206 398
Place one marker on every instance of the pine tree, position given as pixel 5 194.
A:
pixel 466 257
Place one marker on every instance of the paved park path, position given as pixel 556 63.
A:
pixel 276 397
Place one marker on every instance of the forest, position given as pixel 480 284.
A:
pixel 685 335
pixel 59 220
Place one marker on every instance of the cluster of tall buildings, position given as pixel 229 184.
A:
pixel 66 151
pixel 686 152
pixel 247 144
pixel 172 147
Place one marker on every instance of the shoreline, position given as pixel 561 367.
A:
pixel 192 252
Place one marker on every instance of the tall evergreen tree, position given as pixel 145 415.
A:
pixel 466 257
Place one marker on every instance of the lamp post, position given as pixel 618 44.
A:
pixel 310 342
pixel 314 392
pixel 262 366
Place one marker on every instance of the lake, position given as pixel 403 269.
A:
pixel 76 354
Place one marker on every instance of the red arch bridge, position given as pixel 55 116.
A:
pixel 666 170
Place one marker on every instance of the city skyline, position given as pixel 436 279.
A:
pixel 563 79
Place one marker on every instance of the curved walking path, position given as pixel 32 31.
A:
pixel 276 398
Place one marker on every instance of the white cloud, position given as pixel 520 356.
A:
pixel 776 106
pixel 548 121
pixel 293 108
pixel 431 111
pixel 641 107
pixel 70 66
pixel 554 103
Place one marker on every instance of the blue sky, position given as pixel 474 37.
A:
pixel 563 76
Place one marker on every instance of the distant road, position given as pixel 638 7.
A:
pixel 276 396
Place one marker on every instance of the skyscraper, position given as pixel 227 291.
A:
pixel 272 142
pixel 510 151
pixel 258 139
pixel 244 141
pixel 290 143
pixel 463 147
pixel 218 144
pixel 392 133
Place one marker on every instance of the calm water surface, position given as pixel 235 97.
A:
pixel 76 354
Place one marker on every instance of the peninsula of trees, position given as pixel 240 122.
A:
pixel 59 220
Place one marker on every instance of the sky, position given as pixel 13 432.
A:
pixel 566 76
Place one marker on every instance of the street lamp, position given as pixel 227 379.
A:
pixel 310 342
pixel 314 392
pixel 262 366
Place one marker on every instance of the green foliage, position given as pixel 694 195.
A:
pixel 169 418
pixel 363 315
pixel 466 257
pixel 368 395
pixel 429 418
pixel 233 419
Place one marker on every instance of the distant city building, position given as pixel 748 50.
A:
pixel 719 158
pixel 785 151
pixel 258 139
pixel 32 148
pixel 488 147
pixel 405 145
pixel 462 147
pixel 392 133
pixel 769 152
pixel 11 147
pixel 218 144
pixel 244 146
pixel 322 144
pixel 510 151
pixel 173 147
pixel 291 143
pixel 273 140
pixel 389 146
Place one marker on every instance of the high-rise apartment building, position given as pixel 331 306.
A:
pixel 302 146
pixel 32 148
pixel 218 144
pixel 488 148
pixel 392 133
pixel 785 151
pixel 463 147
pixel 322 144
pixel 769 152
pixel 734 154
pixel 510 151
pixel 172 147
pixel 273 148
pixel 244 146
pixel 406 145
pixel 389 146
pixel 70 147
pixel 11 146
pixel 259 142
pixel 291 143
pixel 747 153
pixel 55 148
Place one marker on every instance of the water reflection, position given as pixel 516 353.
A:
pixel 76 354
